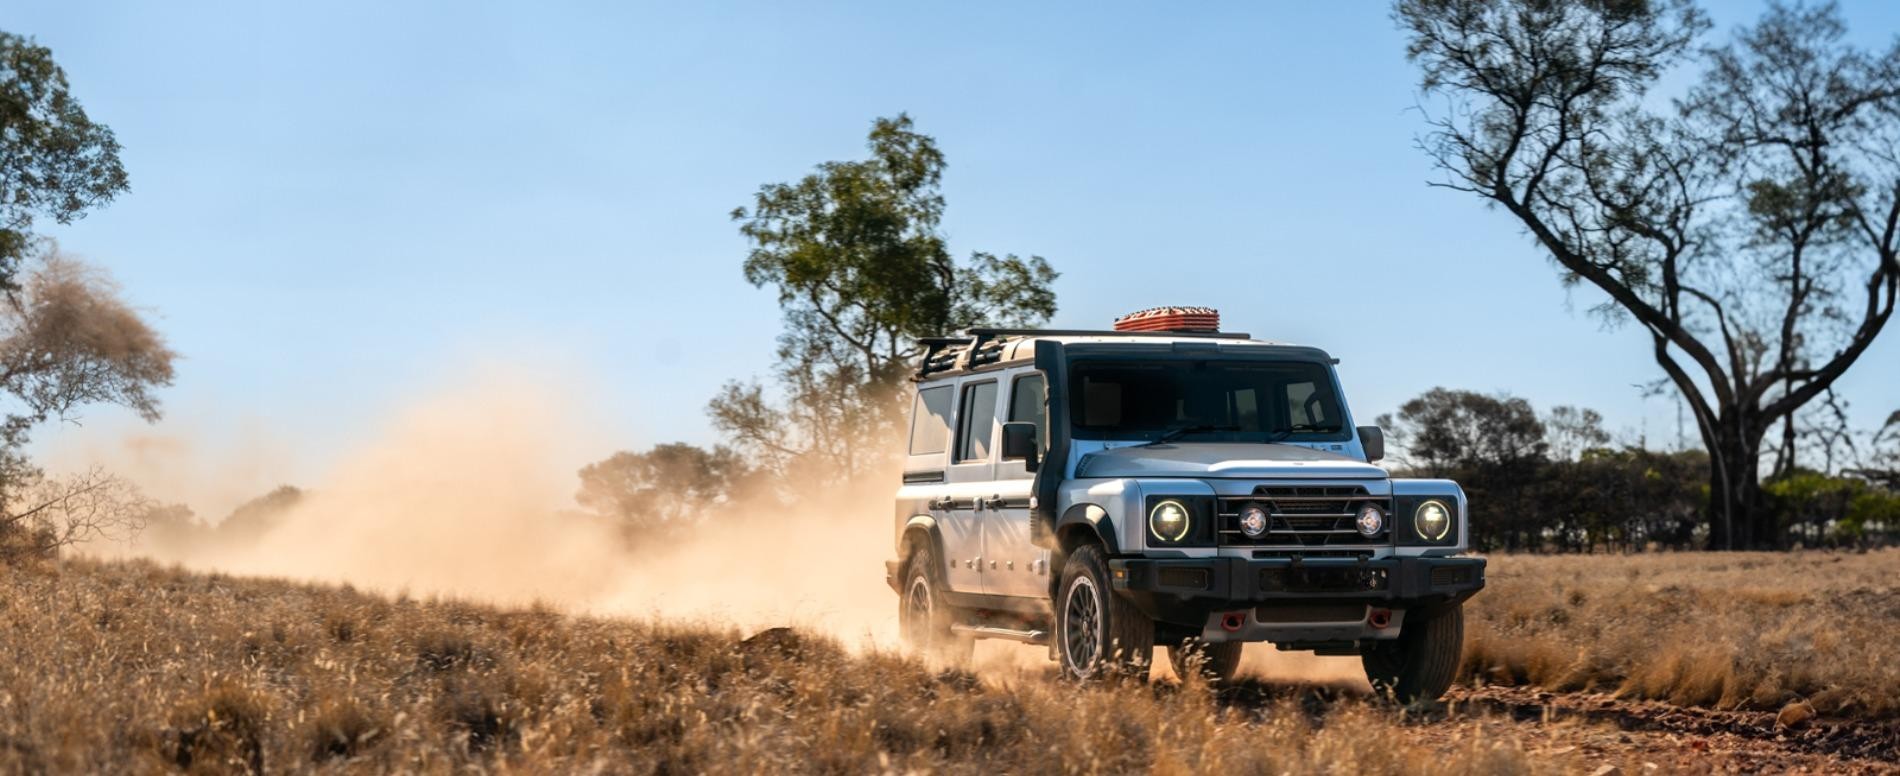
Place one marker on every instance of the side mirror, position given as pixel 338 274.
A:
pixel 1373 440
pixel 1019 444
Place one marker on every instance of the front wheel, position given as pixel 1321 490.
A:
pixel 1422 662
pixel 1099 634
pixel 1217 663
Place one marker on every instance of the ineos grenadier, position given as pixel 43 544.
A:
pixel 1168 484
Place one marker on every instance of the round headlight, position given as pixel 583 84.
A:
pixel 1168 521
pixel 1371 520
pixel 1433 520
pixel 1253 521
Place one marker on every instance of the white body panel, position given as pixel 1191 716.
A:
pixel 980 507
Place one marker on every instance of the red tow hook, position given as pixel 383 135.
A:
pixel 1380 619
pixel 1232 621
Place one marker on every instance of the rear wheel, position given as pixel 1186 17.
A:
pixel 1422 662
pixel 1215 662
pixel 922 615
pixel 1099 634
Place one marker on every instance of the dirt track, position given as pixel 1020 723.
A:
pixel 1677 738
pixel 1602 732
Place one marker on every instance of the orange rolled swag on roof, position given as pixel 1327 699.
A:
pixel 1171 319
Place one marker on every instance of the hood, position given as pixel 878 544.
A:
pixel 1239 460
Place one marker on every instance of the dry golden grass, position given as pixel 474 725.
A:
pixel 116 667
pixel 1731 631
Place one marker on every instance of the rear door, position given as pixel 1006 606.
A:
pixel 1019 563
pixel 926 488
pixel 970 474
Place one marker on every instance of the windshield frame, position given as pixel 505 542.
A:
pixel 1081 364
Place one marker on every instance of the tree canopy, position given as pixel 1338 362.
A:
pixel 663 489
pixel 1750 229
pixel 862 270
pixel 55 162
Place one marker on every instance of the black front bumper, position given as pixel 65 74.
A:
pixel 1186 590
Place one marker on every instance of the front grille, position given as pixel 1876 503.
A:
pixel 1304 516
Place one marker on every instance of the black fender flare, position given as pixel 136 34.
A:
pixel 1092 518
pixel 919 528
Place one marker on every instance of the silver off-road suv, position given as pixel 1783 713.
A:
pixel 1104 492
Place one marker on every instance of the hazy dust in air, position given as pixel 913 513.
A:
pixel 469 493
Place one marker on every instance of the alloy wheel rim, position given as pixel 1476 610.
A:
pixel 918 608
pixel 1082 618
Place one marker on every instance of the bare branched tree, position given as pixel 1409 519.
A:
pixel 48 514
pixel 68 340
pixel 1570 431
pixel 1753 233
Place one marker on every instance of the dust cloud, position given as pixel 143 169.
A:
pixel 468 494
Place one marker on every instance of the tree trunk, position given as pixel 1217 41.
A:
pixel 1737 517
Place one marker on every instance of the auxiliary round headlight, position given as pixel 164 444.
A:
pixel 1433 520
pixel 1168 521
pixel 1371 520
pixel 1253 521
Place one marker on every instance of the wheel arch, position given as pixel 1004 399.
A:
pixel 1081 525
pixel 919 530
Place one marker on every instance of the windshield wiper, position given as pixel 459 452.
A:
pixel 1180 431
pixel 1296 428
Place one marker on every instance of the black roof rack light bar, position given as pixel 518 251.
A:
pixel 985 345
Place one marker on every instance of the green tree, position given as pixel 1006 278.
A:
pixel 54 161
pixel 1493 445
pixel 862 271
pixel 1444 430
pixel 1751 231
pixel 663 489
pixel 1571 431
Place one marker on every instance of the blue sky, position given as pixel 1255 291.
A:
pixel 334 204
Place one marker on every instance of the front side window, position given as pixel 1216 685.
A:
pixel 1226 400
pixel 978 421
pixel 1026 406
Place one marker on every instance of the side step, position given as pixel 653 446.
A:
pixel 992 632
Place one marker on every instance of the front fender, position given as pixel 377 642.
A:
pixel 923 526
pixel 1092 518
pixel 918 529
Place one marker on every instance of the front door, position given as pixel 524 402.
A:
pixel 1021 567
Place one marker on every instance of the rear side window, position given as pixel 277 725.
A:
pixel 930 421
pixel 979 420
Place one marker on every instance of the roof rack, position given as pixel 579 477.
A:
pixel 981 346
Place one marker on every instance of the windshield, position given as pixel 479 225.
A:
pixel 1207 400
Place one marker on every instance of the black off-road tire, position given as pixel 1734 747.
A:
pixel 1423 661
pixel 1217 662
pixel 1099 635
pixel 923 616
